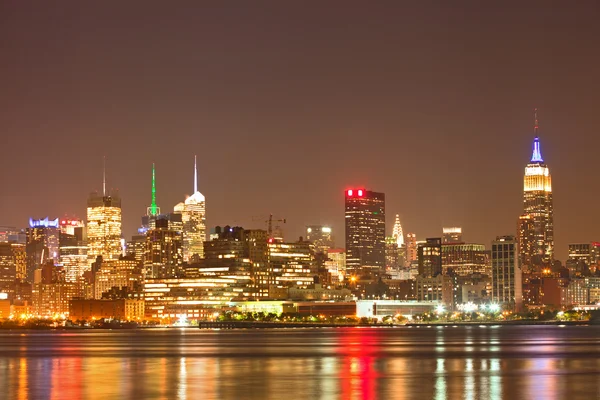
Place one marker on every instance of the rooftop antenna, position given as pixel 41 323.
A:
pixel 536 127
pixel 153 204
pixel 195 176
pixel 104 178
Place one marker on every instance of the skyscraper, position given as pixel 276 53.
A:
pixel 537 202
pixel 397 233
pixel 430 258
pixel 193 215
pixel 506 275
pixel 411 248
pixel 104 225
pixel 365 232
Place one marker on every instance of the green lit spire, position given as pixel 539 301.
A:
pixel 153 207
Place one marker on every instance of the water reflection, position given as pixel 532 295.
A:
pixel 444 363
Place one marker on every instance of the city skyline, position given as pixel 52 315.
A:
pixel 444 111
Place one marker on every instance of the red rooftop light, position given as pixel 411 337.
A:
pixel 360 192
pixel 350 192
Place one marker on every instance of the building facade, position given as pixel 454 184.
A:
pixel 506 275
pixel 104 227
pixel 365 232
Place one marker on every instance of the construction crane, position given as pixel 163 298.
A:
pixel 270 224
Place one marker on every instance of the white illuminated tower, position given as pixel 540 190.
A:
pixel 193 216
pixel 397 233
pixel 537 203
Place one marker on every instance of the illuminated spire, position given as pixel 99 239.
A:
pixel 195 176
pixel 537 152
pixel 153 208
pixel 397 232
pixel 104 178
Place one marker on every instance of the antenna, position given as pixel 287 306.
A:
pixel 536 126
pixel 195 176
pixel 104 178
pixel 153 204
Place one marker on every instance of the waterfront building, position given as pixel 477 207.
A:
pixel 291 264
pixel 382 308
pixel 438 288
pixel 117 309
pixel 193 216
pixel 119 274
pixel 537 203
pixel 506 274
pixel 365 232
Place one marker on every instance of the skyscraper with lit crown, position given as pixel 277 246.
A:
pixel 104 225
pixel 537 203
pixel 397 233
pixel 193 215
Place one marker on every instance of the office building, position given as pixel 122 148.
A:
pixel 291 264
pixel 320 237
pixel 506 275
pixel 525 242
pixel 465 259
pixel 365 232
pixel 537 203
pixel 117 275
pixel 164 251
pixel 104 226
pixel 411 249
pixel 73 249
pixel 193 216
pixel 452 235
pixel 42 243
pixel 429 255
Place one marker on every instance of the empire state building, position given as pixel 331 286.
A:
pixel 537 208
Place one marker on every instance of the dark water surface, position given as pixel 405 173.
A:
pixel 518 362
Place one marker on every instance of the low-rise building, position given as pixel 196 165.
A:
pixel 122 309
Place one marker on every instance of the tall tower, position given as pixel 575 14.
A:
pixel 397 233
pixel 193 216
pixel 365 232
pixel 537 203
pixel 104 225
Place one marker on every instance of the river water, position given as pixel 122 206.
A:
pixel 472 362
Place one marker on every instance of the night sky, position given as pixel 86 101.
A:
pixel 288 105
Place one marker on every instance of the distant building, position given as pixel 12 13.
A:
pixel 193 216
pixel 452 235
pixel 120 309
pixel 104 227
pixel 579 258
pixel 124 273
pixel 73 249
pixel 164 251
pixel 365 232
pixel 506 275
pixel 397 232
pixel 320 237
pixel 42 244
pixel 291 264
pixel 429 255
pixel 411 248
pixel 526 242
pixel 465 259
